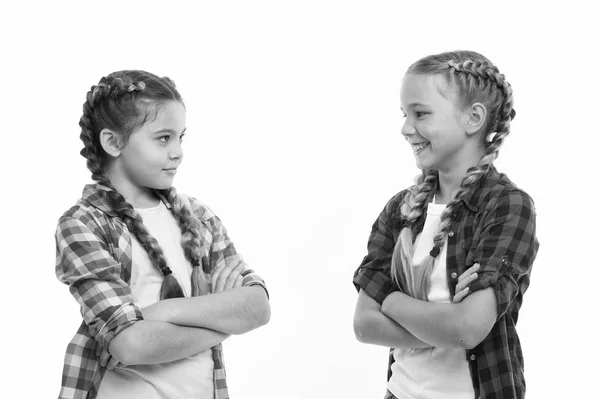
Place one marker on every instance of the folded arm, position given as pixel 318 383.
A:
pixel 463 325
pixel 371 326
pixel 235 311
pixel 154 342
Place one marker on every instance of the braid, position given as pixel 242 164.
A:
pixel 412 207
pixel 477 79
pixel 120 102
pixel 190 241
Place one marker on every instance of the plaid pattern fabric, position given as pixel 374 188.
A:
pixel 495 227
pixel 94 258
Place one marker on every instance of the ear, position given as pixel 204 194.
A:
pixel 111 142
pixel 475 117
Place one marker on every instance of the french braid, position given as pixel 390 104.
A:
pixel 476 79
pixel 121 102
pixel 191 241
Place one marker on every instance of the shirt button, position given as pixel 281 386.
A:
pixel 453 275
pixel 450 234
pixel 472 357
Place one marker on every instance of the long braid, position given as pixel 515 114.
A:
pixel 412 208
pixel 473 77
pixel 191 241
pixel 109 90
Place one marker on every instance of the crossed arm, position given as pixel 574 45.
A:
pixel 405 322
pixel 176 328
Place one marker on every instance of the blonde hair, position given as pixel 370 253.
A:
pixel 475 79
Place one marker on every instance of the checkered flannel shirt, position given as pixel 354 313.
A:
pixel 495 227
pixel 94 258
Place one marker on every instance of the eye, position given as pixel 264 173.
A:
pixel 420 114
pixel 164 139
pixel 404 114
pixel 181 137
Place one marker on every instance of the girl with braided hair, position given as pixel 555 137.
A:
pixel 450 258
pixel 158 280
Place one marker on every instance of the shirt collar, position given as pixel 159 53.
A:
pixel 471 198
pixel 94 194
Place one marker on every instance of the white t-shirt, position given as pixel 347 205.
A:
pixel 185 378
pixel 435 372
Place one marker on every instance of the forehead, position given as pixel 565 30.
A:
pixel 169 115
pixel 422 89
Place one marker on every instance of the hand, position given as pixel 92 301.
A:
pixel 106 360
pixel 226 277
pixel 462 288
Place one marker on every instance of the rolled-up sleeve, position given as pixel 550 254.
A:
pixel 85 264
pixel 373 275
pixel 506 248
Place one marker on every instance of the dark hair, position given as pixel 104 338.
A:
pixel 123 102
pixel 474 79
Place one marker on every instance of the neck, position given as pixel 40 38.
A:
pixel 138 196
pixel 449 180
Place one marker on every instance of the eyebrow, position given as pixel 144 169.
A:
pixel 412 105
pixel 416 104
pixel 167 130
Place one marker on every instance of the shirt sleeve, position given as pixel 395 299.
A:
pixel 222 250
pixel 85 264
pixel 507 247
pixel 373 275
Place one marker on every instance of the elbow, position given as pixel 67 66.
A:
pixel 467 342
pixel 361 329
pixel 472 335
pixel 258 311
pixel 123 349
pixel 127 347
pixel 263 313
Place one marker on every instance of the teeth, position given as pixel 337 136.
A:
pixel 418 147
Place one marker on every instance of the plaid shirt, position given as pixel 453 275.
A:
pixel 495 227
pixel 94 257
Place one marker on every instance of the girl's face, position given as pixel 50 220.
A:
pixel 151 156
pixel 433 127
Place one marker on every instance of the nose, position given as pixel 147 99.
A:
pixel 407 129
pixel 176 150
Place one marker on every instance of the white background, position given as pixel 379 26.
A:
pixel 294 141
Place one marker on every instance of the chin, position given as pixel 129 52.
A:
pixel 161 185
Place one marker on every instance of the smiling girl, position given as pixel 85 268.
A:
pixel 158 280
pixel 450 258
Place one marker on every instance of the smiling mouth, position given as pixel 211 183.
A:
pixel 417 148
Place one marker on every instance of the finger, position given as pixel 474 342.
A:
pixel 234 276
pixel 112 363
pixel 460 295
pixel 466 281
pixel 97 349
pixel 239 282
pixel 104 357
pixel 469 271
pixel 214 276
pixel 222 279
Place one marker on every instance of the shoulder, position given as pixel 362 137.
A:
pixel 500 194
pixel 81 213
pixel 392 207
pixel 84 221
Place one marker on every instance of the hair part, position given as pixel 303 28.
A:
pixel 470 78
pixel 123 102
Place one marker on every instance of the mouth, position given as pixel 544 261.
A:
pixel 172 170
pixel 418 147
